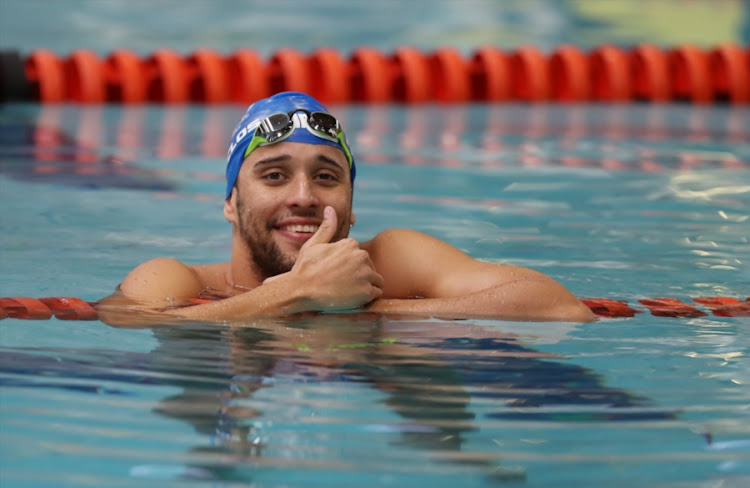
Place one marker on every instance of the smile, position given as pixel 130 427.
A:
pixel 310 229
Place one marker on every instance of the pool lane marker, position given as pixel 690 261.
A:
pixel 71 308
pixel 568 73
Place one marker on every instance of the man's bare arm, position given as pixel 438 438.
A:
pixel 426 276
pixel 510 301
pixel 325 276
pixel 162 291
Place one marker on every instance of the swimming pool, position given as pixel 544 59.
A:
pixel 622 202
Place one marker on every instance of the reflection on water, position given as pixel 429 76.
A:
pixel 114 147
pixel 625 202
pixel 341 392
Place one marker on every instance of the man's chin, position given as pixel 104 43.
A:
pixel 288 256
pixel 273 257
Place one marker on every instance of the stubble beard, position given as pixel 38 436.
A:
pixel 264 252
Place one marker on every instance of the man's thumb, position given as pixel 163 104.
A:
pixel 327 228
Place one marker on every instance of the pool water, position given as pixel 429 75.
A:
pixel 620 202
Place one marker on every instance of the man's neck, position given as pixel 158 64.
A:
pixel 242 274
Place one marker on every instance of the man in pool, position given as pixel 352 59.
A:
pixel 290 176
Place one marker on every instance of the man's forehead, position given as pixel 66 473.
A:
pixel 297 151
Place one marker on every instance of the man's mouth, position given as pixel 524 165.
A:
pixel 306 229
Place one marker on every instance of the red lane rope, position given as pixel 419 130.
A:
pixel 568 74
pixel 63 308
pixel 70 308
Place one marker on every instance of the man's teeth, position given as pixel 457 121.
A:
pixel 300 228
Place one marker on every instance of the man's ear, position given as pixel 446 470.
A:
pixel 230 207
pixel 352 219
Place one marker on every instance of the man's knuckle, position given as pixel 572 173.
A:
pixel 361 254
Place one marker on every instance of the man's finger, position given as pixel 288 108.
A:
pixel 327 228
pixel 377 280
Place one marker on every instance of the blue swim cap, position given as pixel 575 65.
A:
pixel 283 102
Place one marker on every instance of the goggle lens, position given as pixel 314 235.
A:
pixel 324 123
pixel 277 127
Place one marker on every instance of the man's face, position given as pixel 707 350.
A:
pixel 278 201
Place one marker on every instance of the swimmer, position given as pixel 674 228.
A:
pixel 290 175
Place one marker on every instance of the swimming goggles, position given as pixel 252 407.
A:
pixel 277 127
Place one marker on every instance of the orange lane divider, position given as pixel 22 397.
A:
pixel 726 306
pixel 63 308
pixel 568 73
pixel 69 308
pixel 670 307
pixel 606 307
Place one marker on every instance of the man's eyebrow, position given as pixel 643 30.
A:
pixel 325 159
pixel 283 158
pixel 272 160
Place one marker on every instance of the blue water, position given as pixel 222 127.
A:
pixel 622 202
pixel 184 25
pixel 616 202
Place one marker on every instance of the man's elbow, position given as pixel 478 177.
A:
pixel 557 303
pixel 576 311
pixel 113 312
pixel 119 311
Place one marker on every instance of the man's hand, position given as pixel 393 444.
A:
pixel 333 275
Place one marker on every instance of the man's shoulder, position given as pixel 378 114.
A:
pixel 405 241
pixel 397 237
pixel 162 277
pixel 399 246
pixel 163 264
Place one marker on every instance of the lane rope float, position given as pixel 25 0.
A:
pixel 71 308
pixel 605 73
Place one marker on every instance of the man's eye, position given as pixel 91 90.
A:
pixel 326 177
pixel 274 176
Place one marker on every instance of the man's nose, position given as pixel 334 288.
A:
pixel 302 193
